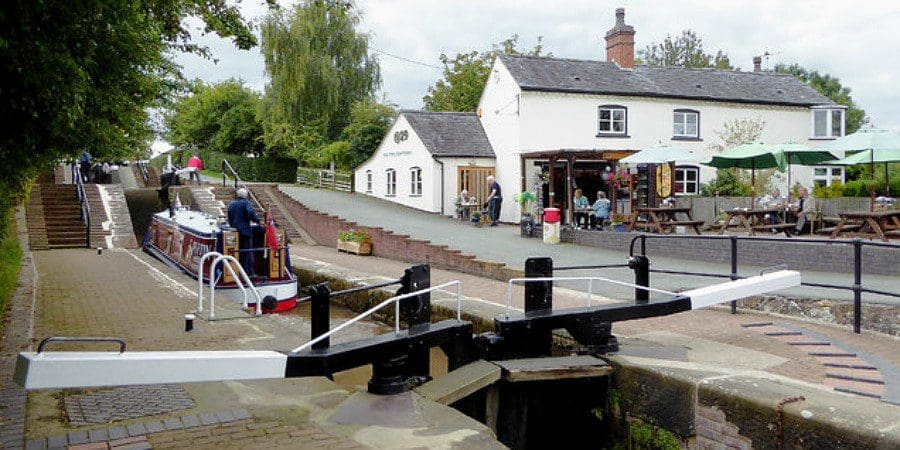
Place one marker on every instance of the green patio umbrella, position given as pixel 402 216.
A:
pixel 875 145
pixel 803 155
pixel 754 155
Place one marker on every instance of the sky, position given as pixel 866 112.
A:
pixel 857 42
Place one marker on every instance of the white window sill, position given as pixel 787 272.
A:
pixel 823 138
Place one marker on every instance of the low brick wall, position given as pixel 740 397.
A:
pixel 829 256
pixel 324 228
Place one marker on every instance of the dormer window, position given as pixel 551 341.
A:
pixel 686 124
pixel 612 120
pixel 827 122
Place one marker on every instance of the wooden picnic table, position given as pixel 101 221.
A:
pixel 753 220
pixel 869 224
pixel 663 220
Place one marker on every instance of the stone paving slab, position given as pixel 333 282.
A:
pixel 125 403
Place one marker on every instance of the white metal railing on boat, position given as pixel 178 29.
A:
pixel 225 260
pixel 396 301
pixel 590 290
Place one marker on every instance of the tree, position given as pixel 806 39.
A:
pixel 82 75
pixel 319 65
pixel 369 121
pixel 221 117
pixel 830 87
pixel 734 181
pixel 685 50
pixel 464 76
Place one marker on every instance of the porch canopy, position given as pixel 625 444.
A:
pixel 570 156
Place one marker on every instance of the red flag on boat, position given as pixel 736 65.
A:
pixel 271 233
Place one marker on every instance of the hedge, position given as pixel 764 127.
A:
pixel 261 169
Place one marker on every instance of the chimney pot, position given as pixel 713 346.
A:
pixel 620 42
pixel 757 63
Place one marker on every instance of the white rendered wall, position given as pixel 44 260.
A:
pixel 451 180
pixel 401 156
pixel 499 112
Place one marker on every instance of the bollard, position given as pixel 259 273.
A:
pixel 320 314
pixel 188 322
pixel 641 266
pixel 99 250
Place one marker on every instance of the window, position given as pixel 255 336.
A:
pixel 369 181
pixel 687 180
pixel 686 124
pixel 827 123
pixel 612 120
pixel 391 183
pixel 415 181
pixel 826 176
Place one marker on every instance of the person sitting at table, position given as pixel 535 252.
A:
pixel 601 209
pixel 581 204
pixel 464 204
pixel 806 204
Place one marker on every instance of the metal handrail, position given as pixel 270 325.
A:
pixel 396 301
pixel 81 195
pixel 237 179
pixel 145 174
pixel 220 258
pixel 590 281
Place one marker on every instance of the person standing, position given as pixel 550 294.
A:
pixel 85 162
pixel 805 206
pixel 494 200
pixel 196 165
pixel 240 214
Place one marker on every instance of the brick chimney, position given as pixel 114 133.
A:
pixel 757 63
pixel 620 42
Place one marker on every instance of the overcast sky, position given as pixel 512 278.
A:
pixel 856 41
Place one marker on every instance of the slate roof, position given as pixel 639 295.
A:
pixel 450 133
pixel 601 77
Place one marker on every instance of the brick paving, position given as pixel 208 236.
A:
pixel 125 403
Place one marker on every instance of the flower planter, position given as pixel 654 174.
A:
pixel 620 228
pixel 358 248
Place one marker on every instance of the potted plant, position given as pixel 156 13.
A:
pixel 476 218
pixel 526 223
pixel 355 241
pixel 618 222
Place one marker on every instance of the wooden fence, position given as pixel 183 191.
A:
pixel 324 178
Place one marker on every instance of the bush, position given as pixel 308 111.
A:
pixel 10 261
pixel 861 188
pixel 261 169
pixel 833 191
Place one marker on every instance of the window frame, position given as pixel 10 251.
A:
pixel 390 183
pixel 683 170
pixel 829 177
pixel 612 121
pixel 415 181
pixel 829 129
pixel 369 181
pixel 686 137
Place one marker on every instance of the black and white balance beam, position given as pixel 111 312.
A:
pixel 60 370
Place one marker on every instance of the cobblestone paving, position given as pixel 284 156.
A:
pixel 125 403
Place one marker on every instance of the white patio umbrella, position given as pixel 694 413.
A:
pixel 875 145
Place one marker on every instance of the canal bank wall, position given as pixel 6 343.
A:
pixel 657 402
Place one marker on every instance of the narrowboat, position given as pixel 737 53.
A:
pixel 180 237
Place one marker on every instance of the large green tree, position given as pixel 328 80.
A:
pixel 319 65
pixel 832 88
pixel 80 75
pixel 369 121
pixel 685 50
pixel 222 117
pixel 464 76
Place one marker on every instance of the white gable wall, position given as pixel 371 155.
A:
pixel 499 110
pixel 401 156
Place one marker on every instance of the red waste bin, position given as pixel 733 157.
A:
pixel 551 225
pixel 551 215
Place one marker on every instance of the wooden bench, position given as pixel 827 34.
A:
pixel 846 227
pixel 785 227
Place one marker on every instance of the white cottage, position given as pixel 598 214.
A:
pixel 426 159
pixel 554 124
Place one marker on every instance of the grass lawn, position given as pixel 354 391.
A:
pixel 214 173
pixel 10 262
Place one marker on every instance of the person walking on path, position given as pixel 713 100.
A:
pixel 196 165
pixel 240 214
pixel 494 200
pixel 805 205
pixel 85 162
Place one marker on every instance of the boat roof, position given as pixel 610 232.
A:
pixel 197 221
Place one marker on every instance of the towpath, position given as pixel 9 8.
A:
pixel 503 244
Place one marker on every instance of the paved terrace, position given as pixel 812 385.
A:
pixel 503 244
